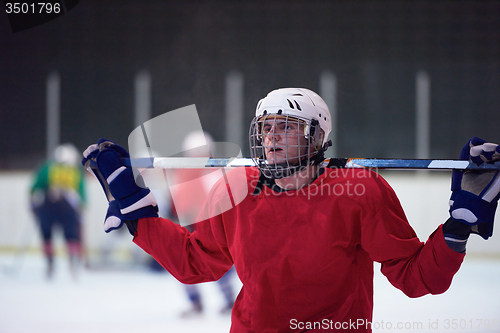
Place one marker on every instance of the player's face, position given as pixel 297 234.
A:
pixel 284 140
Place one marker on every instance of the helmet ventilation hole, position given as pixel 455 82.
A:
pixel 298 106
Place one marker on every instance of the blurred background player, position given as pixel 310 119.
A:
pixel 188 195
pixel 57 198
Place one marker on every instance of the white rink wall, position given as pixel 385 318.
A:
pixel 423 195
pixel 18 225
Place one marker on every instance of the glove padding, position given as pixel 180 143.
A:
pixel 114 219
pixel 475 193
pixel 127 200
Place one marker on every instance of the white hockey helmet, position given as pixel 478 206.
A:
pixel 67 154
pixel 302 106
pixel 297 102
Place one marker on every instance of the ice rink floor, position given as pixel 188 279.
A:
pixel 125 300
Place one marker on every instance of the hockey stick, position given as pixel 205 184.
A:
pixel 373 163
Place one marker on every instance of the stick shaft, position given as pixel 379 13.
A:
pixel 375 163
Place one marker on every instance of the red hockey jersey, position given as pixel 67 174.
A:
pixel 305 257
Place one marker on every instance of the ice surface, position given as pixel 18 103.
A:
pixel 103 300
pixel 138 300
pixel 471 304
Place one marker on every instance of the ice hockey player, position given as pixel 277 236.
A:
pixel 57 198
pixel 304 238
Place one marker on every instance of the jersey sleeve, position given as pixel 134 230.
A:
pixel 414 267
pixel 41 178
pixel 82 190
pixel 190 257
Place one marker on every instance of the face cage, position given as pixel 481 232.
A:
pixel 302 133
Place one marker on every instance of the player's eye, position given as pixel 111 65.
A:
pixel 266 129
pixel 291 127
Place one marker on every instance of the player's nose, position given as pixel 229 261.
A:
pixel 272 136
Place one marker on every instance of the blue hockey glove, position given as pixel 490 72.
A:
pixel 127 200
pixel 474 193
pixel 114 218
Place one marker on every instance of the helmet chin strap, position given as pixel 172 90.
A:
pixel 320 155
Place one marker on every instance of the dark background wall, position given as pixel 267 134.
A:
pixel 375 49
